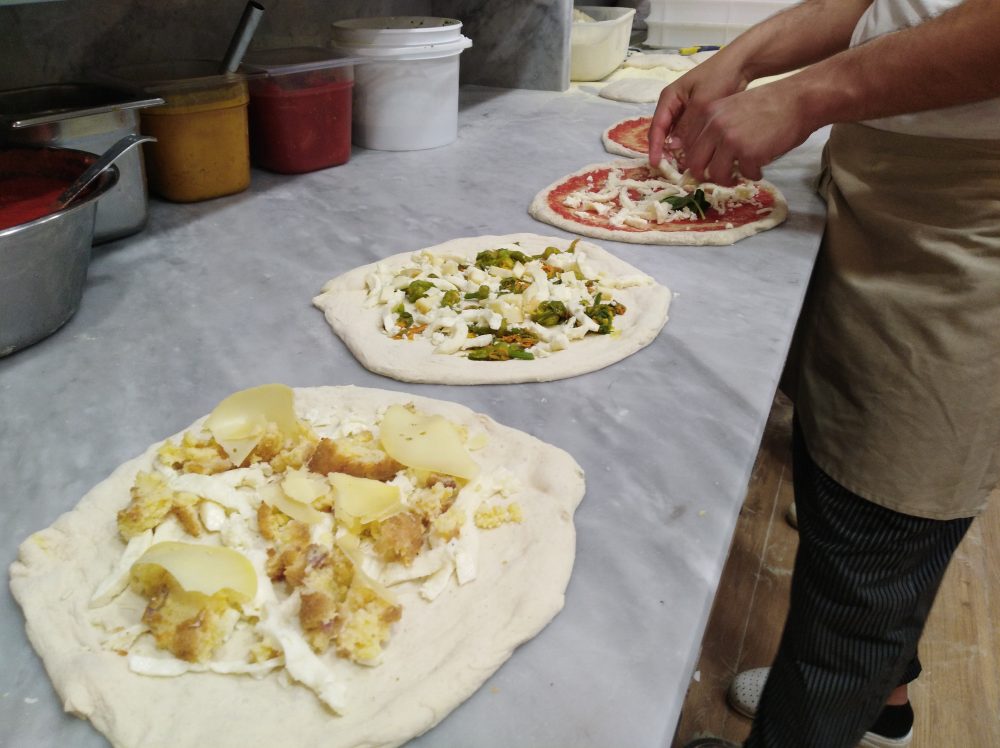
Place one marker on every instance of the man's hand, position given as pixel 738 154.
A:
pixel 712 96
pixel 689 97
pixel 739 134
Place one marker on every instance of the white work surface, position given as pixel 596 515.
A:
pixel 214 297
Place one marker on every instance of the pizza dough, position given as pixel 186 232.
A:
pixel 762 210
pixel 638 90
pixel 440 654
pixel 628 137
pixel 645 89
pixel 668 60
pixel 343 302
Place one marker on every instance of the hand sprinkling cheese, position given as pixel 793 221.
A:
pixel 674 197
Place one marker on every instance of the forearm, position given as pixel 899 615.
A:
pixel 796 37
pixel 946 61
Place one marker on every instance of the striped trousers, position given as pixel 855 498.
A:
pixel 864 581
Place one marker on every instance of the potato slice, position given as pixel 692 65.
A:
pixel 239 421
pixel 426 442
pixel 275 495
pixel 363 500
pixel 205 569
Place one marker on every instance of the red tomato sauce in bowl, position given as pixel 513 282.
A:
pixel 24 199
pixel 32 178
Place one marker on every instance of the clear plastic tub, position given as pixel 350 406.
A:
pixel 202 149
pixel 300 108
pixel 598 47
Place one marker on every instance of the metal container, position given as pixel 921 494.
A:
pixel 43 263
pixel 89 118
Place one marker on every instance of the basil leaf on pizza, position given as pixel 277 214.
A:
pixel 695 202
pixel 630 201
pixel 513 308
pixel 347 563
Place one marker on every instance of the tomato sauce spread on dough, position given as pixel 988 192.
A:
pixel 737 215
pixel 632 133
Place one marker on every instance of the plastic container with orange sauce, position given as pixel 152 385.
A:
pixel 202 149
pixel 300 108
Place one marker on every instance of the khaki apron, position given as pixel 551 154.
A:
pixel 895 367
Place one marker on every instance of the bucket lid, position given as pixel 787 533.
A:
pixel 424 52
pixel 396 31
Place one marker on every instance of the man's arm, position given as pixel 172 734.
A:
pixel 791 39
pixel 948 60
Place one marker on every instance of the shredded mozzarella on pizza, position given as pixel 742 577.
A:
pixel 643 203
pixel 493 301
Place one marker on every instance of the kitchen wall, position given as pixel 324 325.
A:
pixel 516 43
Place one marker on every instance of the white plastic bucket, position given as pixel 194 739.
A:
pixel 406 94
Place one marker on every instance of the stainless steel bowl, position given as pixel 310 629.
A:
pixel 88 117
pixel 43 264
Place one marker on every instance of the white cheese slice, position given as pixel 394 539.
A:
pixel 214 489
pixel 424 565
pixel 171 667
pixel 435 584
pixel 452 343
pixel 212 516
pixel 301 663
pixel 116 582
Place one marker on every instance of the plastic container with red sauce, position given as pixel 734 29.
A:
pixel 300 108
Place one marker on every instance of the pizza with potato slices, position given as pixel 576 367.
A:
pixel 331 566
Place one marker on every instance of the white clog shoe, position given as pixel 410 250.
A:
pixel 744 696
pixel 745 690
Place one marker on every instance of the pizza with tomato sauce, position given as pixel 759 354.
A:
pixel 630 201
pixel 630 137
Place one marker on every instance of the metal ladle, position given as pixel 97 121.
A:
pixel 95 169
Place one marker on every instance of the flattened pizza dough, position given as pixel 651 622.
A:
pixel 643 86
pixel 668 60
pixel 628 137
pixel 636 90
pixel 589 202
pixel 343 302
pixel 439 655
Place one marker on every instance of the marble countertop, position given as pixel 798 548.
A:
pixel 213 297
